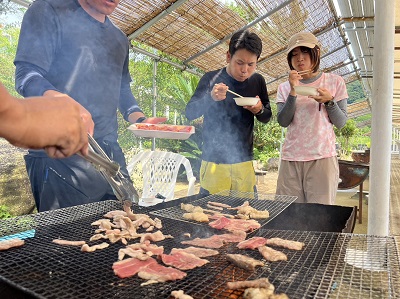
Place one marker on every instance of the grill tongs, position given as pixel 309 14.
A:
pixel 122 187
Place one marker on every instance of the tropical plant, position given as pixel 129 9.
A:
pixel 344 134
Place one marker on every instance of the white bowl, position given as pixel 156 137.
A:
pixel 246 101
pixel 306 90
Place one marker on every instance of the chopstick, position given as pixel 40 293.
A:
pixel 236 94
pixel 304 72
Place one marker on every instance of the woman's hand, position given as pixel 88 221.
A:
pixel 323 97
pixel 294 80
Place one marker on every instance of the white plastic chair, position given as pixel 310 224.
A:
pixel 159 172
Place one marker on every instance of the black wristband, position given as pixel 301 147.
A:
pixel 141 119
pixel 330 103
pixel 261 111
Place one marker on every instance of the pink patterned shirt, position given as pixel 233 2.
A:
pixel 310 135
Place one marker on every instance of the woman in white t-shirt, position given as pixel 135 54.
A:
pixel 309 166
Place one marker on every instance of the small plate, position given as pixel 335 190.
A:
pixel 246 101
pixel 306 90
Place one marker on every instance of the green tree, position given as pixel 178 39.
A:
pixel 344 134
pixel 8 47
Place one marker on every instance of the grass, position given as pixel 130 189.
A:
pixel 15 194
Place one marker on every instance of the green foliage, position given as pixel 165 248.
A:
pixel 345 134
pixel 5 212
pixel 355 92
pixel 8 47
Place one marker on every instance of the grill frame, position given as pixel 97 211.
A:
pixel 70 275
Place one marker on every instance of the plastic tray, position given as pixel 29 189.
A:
pixel 162 131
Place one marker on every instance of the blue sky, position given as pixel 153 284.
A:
pixel 12 16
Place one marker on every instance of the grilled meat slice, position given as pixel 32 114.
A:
pixel 271 254
pixel 87 248
pixel 253 213
pixel 68 242
pixel 183 260
pixel 244 284
pixel 7 244
pixel 289 244
pixel 131 266
pixel 234 224
pixel 146 246
pixel 158 273
pixel 217 241
pixel 180 295
pixel 244 262
pixel 211 242
pixel 136 253
pixel 219 204
pixel 199 252
pixel 191 208
pixel 258 293
pixel 155 237
pixel 252 243
pixel 215 207
pixel 196 216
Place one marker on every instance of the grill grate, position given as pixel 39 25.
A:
pixel 331 265
pixel 275 204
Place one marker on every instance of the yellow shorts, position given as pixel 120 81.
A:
pixel 219 177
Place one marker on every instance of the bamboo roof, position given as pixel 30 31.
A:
pixel 197 32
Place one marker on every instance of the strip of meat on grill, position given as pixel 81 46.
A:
pixel 271 254
pixel 131 266
pixel 244 261
pixel 180 295
pixel 244 284
pixel 219 204
pixel 222 222
pixel 256 289
pixel 196 216
pixel 68 242
pixel 155 273
pixel 87 248
pixel 10 243
pixel 253 213
pixel 199 252
pixel 217 241
pixel 289 244
pixel 183 260
pixel 252 243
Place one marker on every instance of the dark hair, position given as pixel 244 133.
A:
pixel 245 39
pixel 314 55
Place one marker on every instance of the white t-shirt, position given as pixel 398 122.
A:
pixel 310 135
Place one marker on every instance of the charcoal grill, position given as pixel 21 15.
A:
pixel 42 269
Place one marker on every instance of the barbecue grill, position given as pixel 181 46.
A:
pixel 42 269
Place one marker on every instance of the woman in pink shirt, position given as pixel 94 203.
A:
pixel 309 166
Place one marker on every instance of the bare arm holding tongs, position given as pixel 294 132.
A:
pixel 122 187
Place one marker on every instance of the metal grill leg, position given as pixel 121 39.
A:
pixel 360 201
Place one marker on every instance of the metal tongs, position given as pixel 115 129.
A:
pixel 122 187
